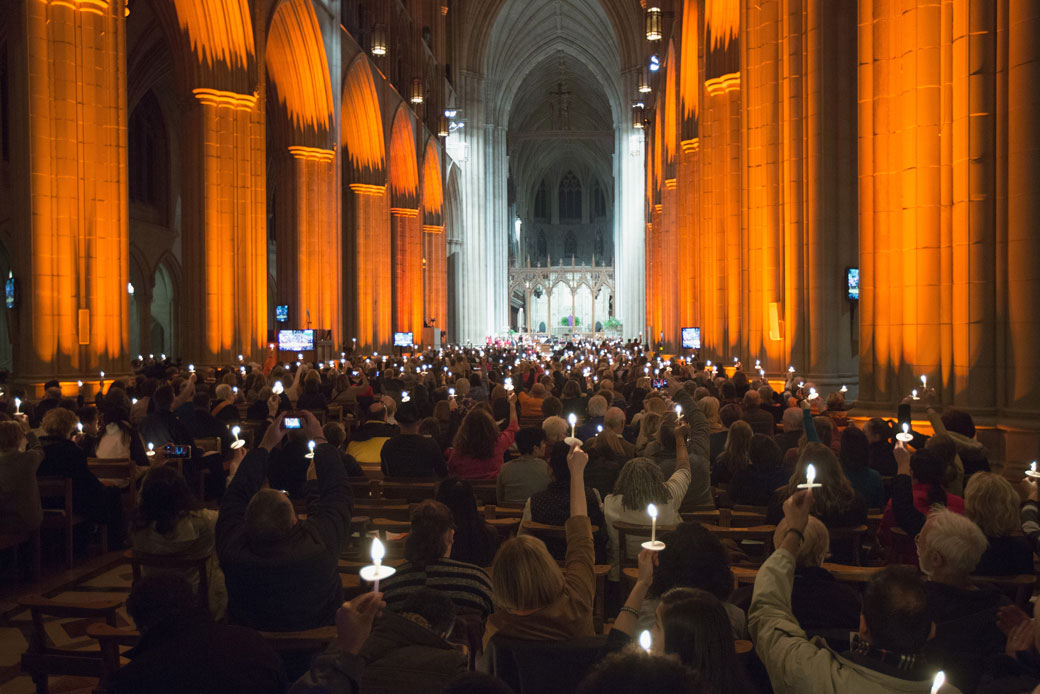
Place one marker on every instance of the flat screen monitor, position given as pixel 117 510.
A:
pixel 404 339
pixel 296 340
pixel 691 338
pixel 10 293
pixel 852 282
pixel 281 313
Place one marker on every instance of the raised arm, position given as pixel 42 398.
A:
pixel 186 394
pixel 330 514
pixel 682 453
pixel 628 617
pixel 809 425
pixel 905 513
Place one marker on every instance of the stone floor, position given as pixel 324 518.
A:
pixel 106 576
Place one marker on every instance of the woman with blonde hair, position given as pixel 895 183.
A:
pixel 536 600
pixel 992 503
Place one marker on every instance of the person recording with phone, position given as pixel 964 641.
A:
pixel 280 570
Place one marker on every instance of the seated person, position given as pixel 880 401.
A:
pixel 632 671
pixel 201 424
pixel 556 430
pixel 224 409
pixel 182 650
pixel 791 420
pixel 281 572
pixel 879 434
pixel 531 404
pixel 408 651
pixel 608 452
pixel 597 409
pixel 756 485
pixel 992 503
pixel 288 463
pixel 664 451
pixel 917 488
pixel 312 399
pixel 475 542
pixel 736 454
pixel 640 484
pixel 118 437
pixel 887 655
pixel 855 463
pixel 527 475
pixel 171 522
pixel 162 426
pixel 366 443
pixel 427 548
pixel 693 557
pixel 836 503
pixel 63 458
pixel 552 506
pixel 949 548
pixel 336 435
pixel 20 456
pixel 409 453
pixel 534 598
pixel 478 450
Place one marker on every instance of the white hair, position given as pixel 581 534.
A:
pixel 597 406
pixel 793 419
pixel 223 391
pixel 960 542
pixel 555 428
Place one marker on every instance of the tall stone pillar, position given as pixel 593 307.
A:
pixel 435 273
pixel 406 238
pixel 224 306
pixel 71 259
pixel 313 259
pixel 368 287
pixel 474 315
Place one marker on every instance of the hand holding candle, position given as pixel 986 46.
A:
pixel 572 440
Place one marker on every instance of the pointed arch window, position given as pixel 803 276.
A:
pixel 570 197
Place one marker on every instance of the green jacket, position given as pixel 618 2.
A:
pixel 797 664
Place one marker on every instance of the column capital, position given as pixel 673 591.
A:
pixel 432 229
pixel 404 212
pixel 313 153
pixel 368 189
pixel 218 98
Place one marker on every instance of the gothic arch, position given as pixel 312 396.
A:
pixel 298 71
pixel 432 186
pixel 363 141
pixel 404 169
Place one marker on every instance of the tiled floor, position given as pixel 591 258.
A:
pixel 103 577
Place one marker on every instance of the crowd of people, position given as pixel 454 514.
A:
pixel 580 436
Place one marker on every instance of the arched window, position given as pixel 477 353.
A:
pixel 541 203
pixel 147 156
pixel 570 197
pixel 570 246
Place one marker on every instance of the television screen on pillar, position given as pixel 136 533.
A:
pixel 852 281
pixel 691 338
pixel 296 340
pixel 404 339
pixel 281 313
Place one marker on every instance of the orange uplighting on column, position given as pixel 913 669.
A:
pixel 405 226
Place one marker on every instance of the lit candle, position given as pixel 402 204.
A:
pixel 133 401
pixel 377 571
pixel 813 394
pixel 191 368
pixel 241 358
pixel 599 428
pixel 844 389
pixel 242 370
pixel 678 411
pixel 573 419
pixel 1032 470
pixel 937 683
pixel 237 443
pixel 913 394
pixel 651 511
pixel 645 641
pixel 79 383
pixel 810 478
pixel 151 449
pixel 405 397
pixel 790 369
pixel 277 388
pixel 79 427
pixel 905 435
pixel 17 405
pixel 310 449
pixel 509 383
pixel 924 384
pixel 451 393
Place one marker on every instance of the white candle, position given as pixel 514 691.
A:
pixel 277 388
pixel 241 358
pixel 573 419
pixel 937 683
pixel 237 443
pixel 678 411
pixel 310 449
pixel 378 552
pixel 79 383
pixel 151 449
pixel 299 356
pixel 924 383
pixel 79 426
pixel 810 473
pixel 191 368
pixel 405 397
pixel 813 394
pixel 645 641
pixel 599 428
pixel 651 511
pixel 905 435
pixel 844 389
pixel 17 405
pixel 509 383
pixel 790 369
pixel 133 401
pixel 913 394
pixel 451 393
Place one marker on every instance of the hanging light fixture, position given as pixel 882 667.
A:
pixel 379 40
pixel 443 126
pixel 653 24
pixel 637 116
pixel 644 82
pixel 417 91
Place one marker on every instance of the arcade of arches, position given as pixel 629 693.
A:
pixel 171 171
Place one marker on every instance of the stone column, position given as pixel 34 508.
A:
pixel 224 294
pixel 472 295
pixel 406 238
pixel 68 116
pixel 368 291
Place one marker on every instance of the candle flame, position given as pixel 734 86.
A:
pixel 311 445
pixel 645 641
pixel 651 510
pixel 277 388
pixel 678 410
pixel 906 427
pixel 378 551
pixel 937 683
pixel 151 446
pixel 810 473
pixel 572 419
pixel 235 430
pixel 1033 466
